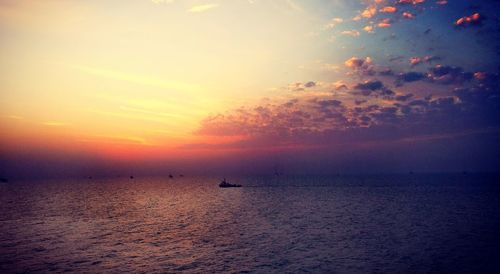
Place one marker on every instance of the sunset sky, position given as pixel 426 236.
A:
pixel 247 85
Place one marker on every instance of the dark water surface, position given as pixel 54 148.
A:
pixel 345 224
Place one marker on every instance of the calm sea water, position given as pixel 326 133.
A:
pixel 344 224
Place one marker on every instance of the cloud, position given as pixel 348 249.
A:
pixel 353 118
pixel 369 12
pixel 408 15
pixel 146 80
pixel 408 77
pixel 334 22
pixel 373 87
pixel 369 85
pixel 202 8
pixel 310 84
pixel 359 102
pixel 376 8
pixel 449 75
pixel 362 108
pixel 403 98
pixel 440 74
pixel 385 72
pixel 411 2
pixel 481 98
pixel 475 19
pixel 353 33
pixel 339 85
pixel 431 58
pixel 329 121
pixel 329 103
pixel 162 1
pixel 299 86
pixel 362 66
pixel 385 23
pixel 480 75
pixel 55 124
pixel 368 28
pixel 388 9
pixel 414 61
pixel 355 62
pixel 366 67
pixel 294 6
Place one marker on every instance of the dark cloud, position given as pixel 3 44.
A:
pixel 467 107
pixel 370 85
pixel 341 87
pixel 310 84
pixel 410 2
pixel 440 70
pixel 392 36
pixel 408 77
pixel 360 102
pixel 290 103
pixel 449 75
pixel 323 117
pixel 403 98
pixel 385 72
pixel 418 103
pixel 373 87
pixel 414 61
pixel 396 58
pixel 299 86
pixel 329 103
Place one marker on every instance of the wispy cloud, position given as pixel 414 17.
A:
pixel 14 117
pixel 54 124
pixel 162 1
pixel 116 140
pixel 353 33
pixel 138 79
pixel 294 6
pixel 203 8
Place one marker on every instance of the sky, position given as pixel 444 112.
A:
pixel 248 86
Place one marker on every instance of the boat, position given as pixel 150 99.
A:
pixel 225 184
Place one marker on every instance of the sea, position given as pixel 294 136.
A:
pixel 405 223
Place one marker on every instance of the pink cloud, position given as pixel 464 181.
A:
pixel 388 9
pixel 408 15
pixel 369 12
pixel 475 18
pixel 385 23
pixel 412 2
pixel 353 33
pixel 355 62
pixel 368 29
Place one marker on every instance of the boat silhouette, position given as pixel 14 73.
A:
pixel 225 184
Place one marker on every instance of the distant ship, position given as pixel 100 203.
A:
pixel 226 184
